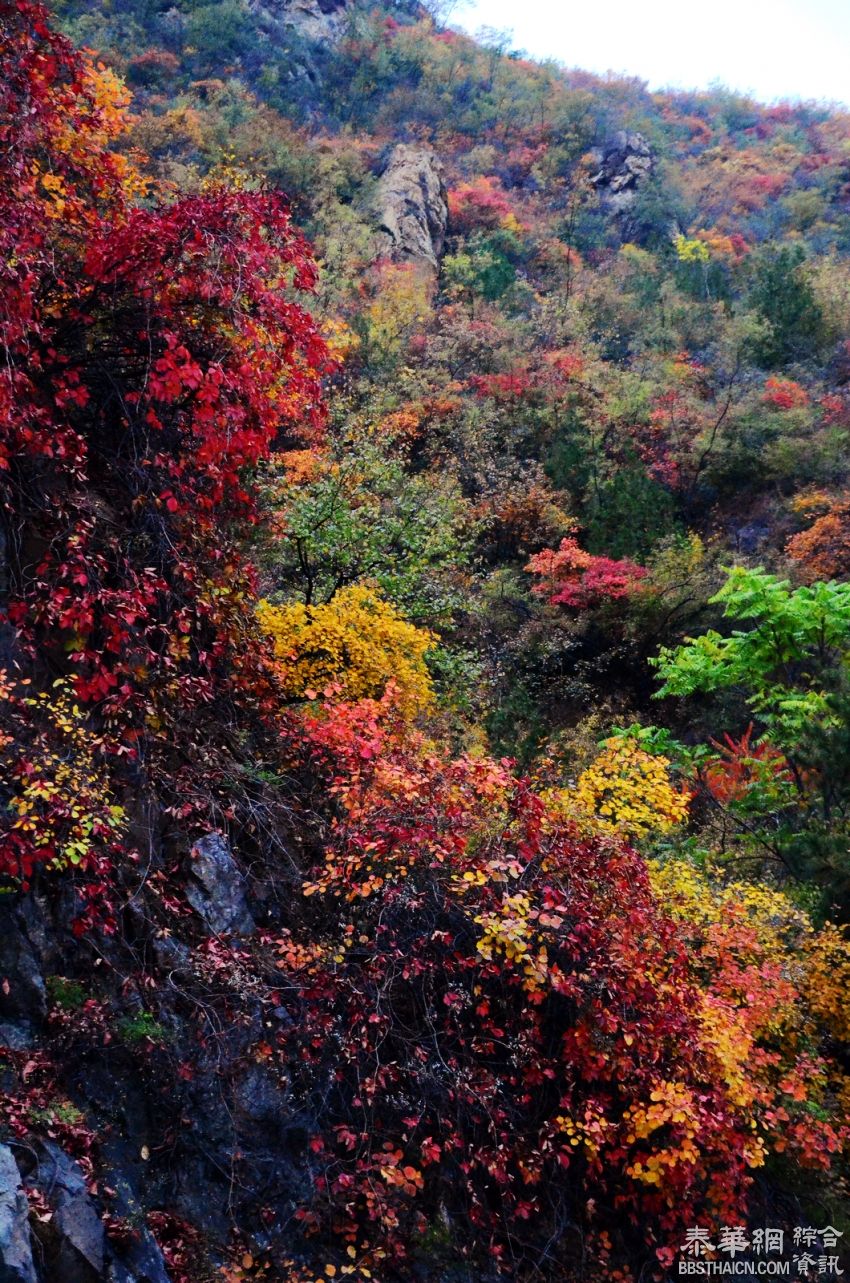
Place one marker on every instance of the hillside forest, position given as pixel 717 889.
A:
pixel 424 658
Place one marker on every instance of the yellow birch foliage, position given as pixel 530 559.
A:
pixel 629 792
pixel 356 640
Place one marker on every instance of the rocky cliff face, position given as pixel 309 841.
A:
pixel 113 1113
pixel 622 166
pixel 322 21
pixel 411 208
pixel 316 21
pixel 66 1241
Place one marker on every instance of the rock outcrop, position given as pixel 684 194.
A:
pixel 308 31
pixel 16 1263
pixel 70 1244
pixel 411 206
pixel 75 1239
pixel 620 167
pixel 216 888
pixel 322 21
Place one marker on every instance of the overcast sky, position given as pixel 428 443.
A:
pixel 770 48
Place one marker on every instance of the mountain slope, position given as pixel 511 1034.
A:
pixel 375 404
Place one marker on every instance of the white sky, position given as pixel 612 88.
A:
pixel 797 49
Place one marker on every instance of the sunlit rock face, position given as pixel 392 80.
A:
pixel 411 208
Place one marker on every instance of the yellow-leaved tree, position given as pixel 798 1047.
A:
pixel 777 980
pixel 357 640
pixel 625 791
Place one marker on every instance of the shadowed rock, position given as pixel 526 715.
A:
pixel 22 992
pixel 76 1232
pixel 622 165
pixel 16 1263
pixel 216 888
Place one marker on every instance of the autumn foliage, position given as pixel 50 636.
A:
pixel 357 640
pixel 521 1032
pixel 629 791
pixel 152 356
pixel 569 576
pixel 823 549
pixel 493 981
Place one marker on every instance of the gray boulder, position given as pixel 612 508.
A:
pixel 411 208
pixel 77 1238
pixel 620 167
pixel 17 1037
pixel 216 888
pixel 749 538
pixel 16 1263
